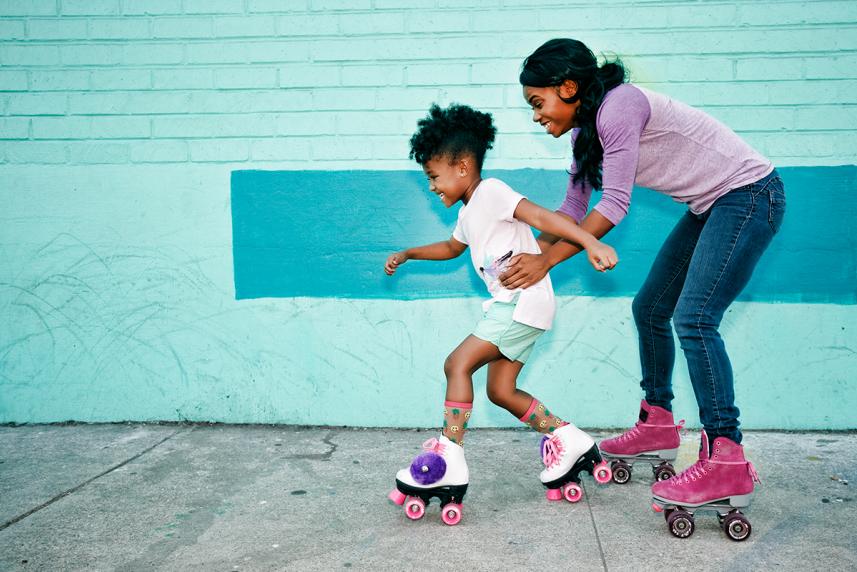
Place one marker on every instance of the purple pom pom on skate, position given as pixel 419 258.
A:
pixel 542 445
pixel 428 468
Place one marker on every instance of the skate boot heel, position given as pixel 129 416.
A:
pixel 740 501
pixel 667 454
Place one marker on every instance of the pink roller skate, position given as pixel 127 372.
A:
pixel 722 481
pixel 654 439
pixel 439 471
pixel 566 453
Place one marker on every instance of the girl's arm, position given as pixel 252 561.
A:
pixel 600 255
pixel 594 223
pixel 444 250
pixel 526 269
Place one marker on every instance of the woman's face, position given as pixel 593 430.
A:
pixel 549 110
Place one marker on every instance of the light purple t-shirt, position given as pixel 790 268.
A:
pixel 662 144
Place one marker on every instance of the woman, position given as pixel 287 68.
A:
pixel 624 135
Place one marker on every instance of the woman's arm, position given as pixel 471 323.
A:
pixel 444 250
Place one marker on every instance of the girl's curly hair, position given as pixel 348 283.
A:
pixel 452 132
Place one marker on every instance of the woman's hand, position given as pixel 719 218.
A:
pixel 601 256
pixel 524 270
pixel 393 262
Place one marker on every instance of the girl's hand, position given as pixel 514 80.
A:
pixel 601 256
pixel 524 270
pixel 393 262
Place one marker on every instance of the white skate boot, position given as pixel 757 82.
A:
pixel 566 453
pixel 439 471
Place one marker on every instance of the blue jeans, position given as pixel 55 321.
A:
pixel 702 267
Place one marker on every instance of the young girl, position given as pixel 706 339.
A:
pixel 494 221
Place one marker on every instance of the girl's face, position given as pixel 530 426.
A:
pixel 551 112
pixel 448 180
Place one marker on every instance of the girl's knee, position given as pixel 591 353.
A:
pixel 500 397
pixel 454 365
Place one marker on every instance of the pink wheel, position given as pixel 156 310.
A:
pixel 397 497
pixel 553 494
pixel 572 492
pixel 602 473
pixel 415 508
pixel 451 514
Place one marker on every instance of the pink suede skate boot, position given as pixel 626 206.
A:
pixel 723 475
pixel 654 439
pixel 722 481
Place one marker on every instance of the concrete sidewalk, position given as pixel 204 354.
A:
pixel 224 498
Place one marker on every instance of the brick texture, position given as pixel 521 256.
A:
pixel 341 83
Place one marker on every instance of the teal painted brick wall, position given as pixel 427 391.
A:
pixel 782 74
pixel 122 120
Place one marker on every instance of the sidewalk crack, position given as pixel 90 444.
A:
pixel 595 527
pixel 72 490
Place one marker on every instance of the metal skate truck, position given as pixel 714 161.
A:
pixel 654 439
pixel 722 481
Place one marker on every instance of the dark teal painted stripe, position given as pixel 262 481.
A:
pixel 327 234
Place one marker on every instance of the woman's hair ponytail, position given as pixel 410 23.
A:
pixel 560 59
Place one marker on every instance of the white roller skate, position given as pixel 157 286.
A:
pixel 566 453
pixel 439 471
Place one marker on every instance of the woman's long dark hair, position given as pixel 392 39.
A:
pixel 560 59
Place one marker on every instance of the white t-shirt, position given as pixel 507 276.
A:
pixel 488 226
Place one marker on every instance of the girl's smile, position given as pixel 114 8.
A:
pixel 450 181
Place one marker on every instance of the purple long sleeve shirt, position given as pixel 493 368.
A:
pixel 662 144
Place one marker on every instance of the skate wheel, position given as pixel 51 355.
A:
pixel 602 473
pixel 664 472
pixel 680 523
pixel 397 497
pixel 572 492
pixel 415 508
pixel 451 514
pixel 737 527
pixel 621 472
pixel 553 494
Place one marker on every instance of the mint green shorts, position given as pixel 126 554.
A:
pixel 514 339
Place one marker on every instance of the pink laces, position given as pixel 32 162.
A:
pixel 753 472
pixel 635 430
pixel 552 451
pixel 693 472
pixel 434 446
pixel 630 434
